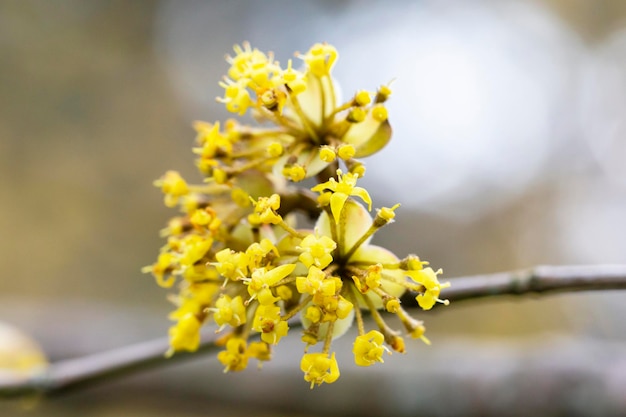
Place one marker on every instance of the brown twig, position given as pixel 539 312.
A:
pixel 538 280
pixel 70 374
pixel 78 373
pixel 301 199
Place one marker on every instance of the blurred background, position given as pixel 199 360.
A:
pixel 509 143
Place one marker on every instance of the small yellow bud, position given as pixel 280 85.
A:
pixel 344 307
pixel 240 197
pixel 379 113
pixel 393 306
pixel 295 80
pixel 254 219
pixel 260 351
pixel 309 338
pixel 397 344
pixel 290 74
pixel 362 98
pixel 388 213
pixel 327 154
pixel 220 176
pixel 382 94
pixel 418 333
pixel 412 263
pixel 296 87
pixel 358 170
pixel 284 292
pixel 295 173
pixel 235 357
pixel 373 277
pixel 275 150
pixel 185 335
pixel 385 215
pixel 175 226
pixel 356 115
pixel 346 151
pixel 200 217
pixel 271 99
pixel 313 313
pixel 173 186
pixel 324 199
pixel 231 125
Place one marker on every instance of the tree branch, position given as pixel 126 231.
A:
pixel 78 373
pixel 70 374
pixel 301 199
pixel 538 280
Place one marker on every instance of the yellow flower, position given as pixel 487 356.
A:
pixel 303 104
pixel 265 210
pixel 319 368
pixel 231 264
pixel 316 250
pixel 372 278
pixel 295 80
pixel 316 282
pixel 260 351
pixel 387 214
pixel 235 357
pixel 194 248
pixel 335 307
pixel 259 285
pixel 236 96
pixel 428 299
pixel 342 189
pixel 164 265
pixel 268 322
pixel 368 348
pixel 185 335
pixel 211 140
pixel 428 278
pixel 229 311
pixel 173 186
pixel 320 59
pixel 257 253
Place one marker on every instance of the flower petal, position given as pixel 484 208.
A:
pixel 311 98
pixel 358 221
pixel 337 201
pixel 368 137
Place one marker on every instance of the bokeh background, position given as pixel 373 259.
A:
pixel 509 146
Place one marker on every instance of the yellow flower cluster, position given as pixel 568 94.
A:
pixel 235 253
